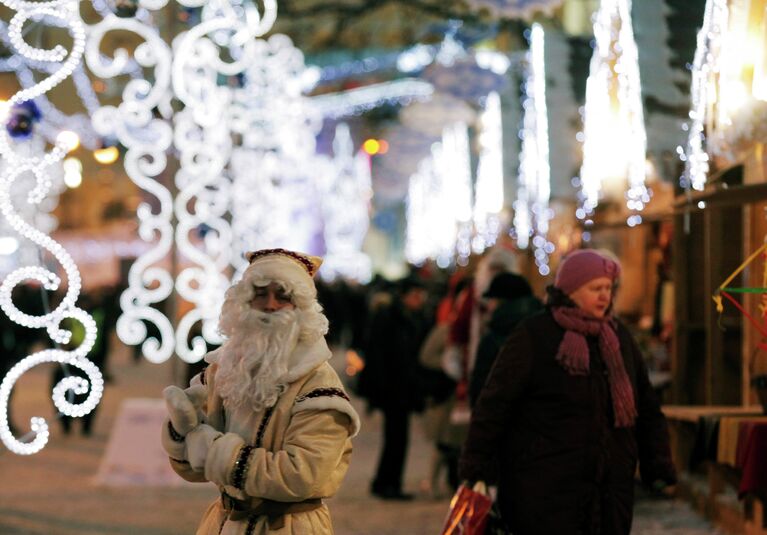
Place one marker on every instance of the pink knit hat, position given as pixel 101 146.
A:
pixel 582 266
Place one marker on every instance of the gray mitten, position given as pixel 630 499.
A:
pixel 185 407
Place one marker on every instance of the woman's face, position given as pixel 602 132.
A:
pixel 594 296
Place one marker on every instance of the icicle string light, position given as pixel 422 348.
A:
pixel 705 65
pixel 489 186
pixel 615 141
pixel 64 11
pixel 532 212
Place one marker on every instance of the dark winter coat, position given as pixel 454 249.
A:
pixel 391 378
pixel 548 439
pixel 501 324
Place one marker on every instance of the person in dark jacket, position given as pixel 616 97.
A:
pixel 507 301
pixel 391 379
pixel 567 413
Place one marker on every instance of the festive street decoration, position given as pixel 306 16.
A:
pixel 439 205
pixel 488 198
pixel 725 291
pixel 531 209
pixel 614 134
pixel 346 194
pixel 360 100
pixel 146 139
pixel 455 166
pixel 19 162
pixel 431 228
pixel 516 9
pixel 279 125
pixel 705 65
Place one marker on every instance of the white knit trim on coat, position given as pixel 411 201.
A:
pixel 325 403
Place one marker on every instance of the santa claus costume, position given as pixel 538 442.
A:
pixel 268 421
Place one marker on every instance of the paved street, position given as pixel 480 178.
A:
pixel 55 492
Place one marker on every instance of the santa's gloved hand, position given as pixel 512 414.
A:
pixel 185 407
pixel 173 443
pixel 198 442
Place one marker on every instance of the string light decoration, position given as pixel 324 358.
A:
pixel 614 134
pixel 439 205
pixel 431 228
pixel 531 209
pixel 455 166
pixel 147 139
pixel 362 99
pixel 488 201
pixel 346 196
pixel 21 162
pixel 705 64
pixel 204 141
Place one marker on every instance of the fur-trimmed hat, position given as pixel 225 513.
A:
pixel 291 267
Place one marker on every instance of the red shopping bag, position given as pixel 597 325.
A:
pixel 469 511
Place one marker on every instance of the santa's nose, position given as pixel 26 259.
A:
pixel 271 304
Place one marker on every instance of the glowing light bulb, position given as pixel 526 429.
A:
pixel 372 146
pixel 106 155
pixel 68 140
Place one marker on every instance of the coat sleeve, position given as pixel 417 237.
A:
pixel 655 461
pixel 311 464
pixel 507 381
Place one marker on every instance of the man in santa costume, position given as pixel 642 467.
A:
pixel 268 421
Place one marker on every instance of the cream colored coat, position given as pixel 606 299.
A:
pixel 305 448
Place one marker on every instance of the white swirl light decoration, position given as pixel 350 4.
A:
pixel 38 215
pixel 532 212
pixel 204 139
pixel 146 139
pixel 615 141
pixel 346 195
pixel 488 201
pixel 705 65
pixel 18 164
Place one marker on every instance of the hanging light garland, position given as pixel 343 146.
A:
pixel 19 163
pixel 359 100
pixel 531 209
pixel 614 135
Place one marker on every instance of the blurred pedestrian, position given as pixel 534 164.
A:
pixel 390 379
pixel 507 301
pixel 567 413
pixel 446 441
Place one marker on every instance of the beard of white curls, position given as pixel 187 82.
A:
pixel 255 358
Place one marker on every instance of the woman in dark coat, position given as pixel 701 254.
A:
pixel 567 412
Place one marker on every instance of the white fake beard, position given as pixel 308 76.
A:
pixel 255 357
